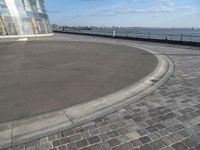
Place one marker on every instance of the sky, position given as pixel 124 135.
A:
pixel 125 13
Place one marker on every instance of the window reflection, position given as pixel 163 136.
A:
pixel 19 17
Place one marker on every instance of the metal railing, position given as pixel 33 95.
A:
pixel 149 35
pixel 146 35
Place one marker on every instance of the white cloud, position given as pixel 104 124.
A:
pixel 160 6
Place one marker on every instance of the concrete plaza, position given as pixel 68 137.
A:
pixel 167 119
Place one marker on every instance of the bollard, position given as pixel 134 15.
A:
pixel 181 38
pixel 114 33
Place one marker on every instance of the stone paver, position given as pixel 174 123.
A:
pixel 168 119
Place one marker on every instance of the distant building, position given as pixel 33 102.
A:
pixel 23 17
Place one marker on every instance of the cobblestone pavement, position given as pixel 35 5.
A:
pixel 167 119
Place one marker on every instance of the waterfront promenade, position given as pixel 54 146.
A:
pixel 168 118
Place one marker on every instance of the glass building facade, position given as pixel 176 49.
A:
pixel 23 17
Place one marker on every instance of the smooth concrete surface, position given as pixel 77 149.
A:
pixel 42 76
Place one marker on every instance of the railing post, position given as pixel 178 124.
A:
pixel 181 37
pixel 149 35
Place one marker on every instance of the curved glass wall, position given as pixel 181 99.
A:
pixel 23 17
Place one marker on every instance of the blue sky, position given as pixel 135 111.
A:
pixel 127 13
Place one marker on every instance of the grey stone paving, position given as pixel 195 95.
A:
pixel 168 119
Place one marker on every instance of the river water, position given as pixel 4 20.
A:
pixel 176 34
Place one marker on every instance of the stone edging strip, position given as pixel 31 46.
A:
pixel 24 130
pixel 25 36
pixel 11 38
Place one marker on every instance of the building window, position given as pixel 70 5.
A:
pixel 19 17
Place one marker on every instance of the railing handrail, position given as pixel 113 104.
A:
pixel 146 35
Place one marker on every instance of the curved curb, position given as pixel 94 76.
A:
pixel 14 38
pixel 24 130
pixel 25 36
